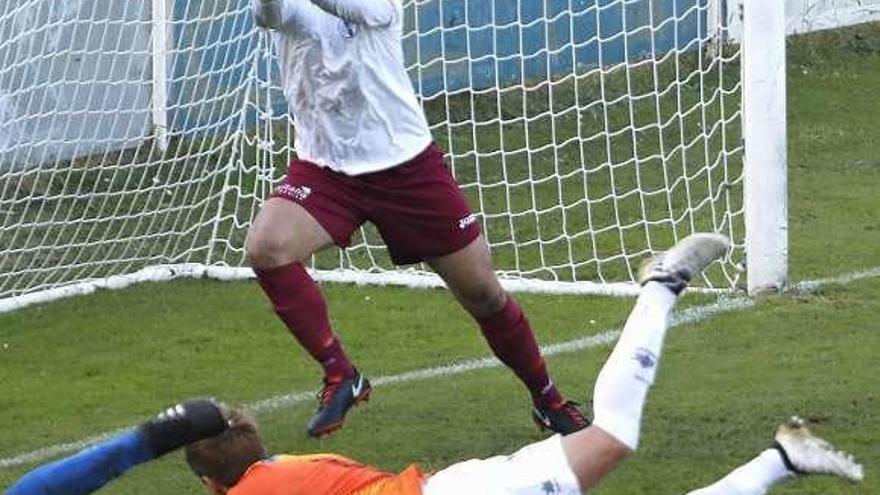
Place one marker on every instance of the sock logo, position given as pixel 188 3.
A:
pixel 645 358
pixel 550 487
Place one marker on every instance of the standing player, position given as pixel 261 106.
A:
pixel 365 153
pixel 236 463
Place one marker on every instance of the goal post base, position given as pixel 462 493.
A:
pixel 411 278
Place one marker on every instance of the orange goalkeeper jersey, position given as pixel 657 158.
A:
pixel 324 474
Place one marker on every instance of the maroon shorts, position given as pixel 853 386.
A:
pixel 416 206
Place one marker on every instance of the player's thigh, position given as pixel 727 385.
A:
pixel 470 276
pixel 284 232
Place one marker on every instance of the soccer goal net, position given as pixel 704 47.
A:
pixel 138 139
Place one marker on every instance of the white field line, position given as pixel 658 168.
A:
pixel 689 315
pixel 810 285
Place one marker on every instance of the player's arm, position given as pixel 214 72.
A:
pixel 92 468
pixel 370 13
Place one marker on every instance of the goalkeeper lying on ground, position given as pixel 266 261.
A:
pixel 225 451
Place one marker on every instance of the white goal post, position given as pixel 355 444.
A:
pixel 764 137
pixel 137 139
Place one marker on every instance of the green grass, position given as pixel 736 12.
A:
pixel 78 367
pixel 87 365
pixel 834 153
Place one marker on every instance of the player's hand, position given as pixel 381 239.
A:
pixel 184 423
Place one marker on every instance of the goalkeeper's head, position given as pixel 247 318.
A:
pixel 221 461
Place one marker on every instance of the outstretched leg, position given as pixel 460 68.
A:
pixel 796 451
pixel 752 478
pixel 623 384
pixel 90 469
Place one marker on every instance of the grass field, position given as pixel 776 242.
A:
pixel 84 366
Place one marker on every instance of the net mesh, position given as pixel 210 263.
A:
pixel 587 135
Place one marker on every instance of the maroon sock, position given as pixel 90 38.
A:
pixel 300 305
pixel 511 338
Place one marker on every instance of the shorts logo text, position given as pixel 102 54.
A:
pixel 297 193
pixel 466 221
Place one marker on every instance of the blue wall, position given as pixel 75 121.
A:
pixel 70 86
pixel 507 41
pixel 528 39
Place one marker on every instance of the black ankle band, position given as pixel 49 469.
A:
pixel 674 284
pixel 785 460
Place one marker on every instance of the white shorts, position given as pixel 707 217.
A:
pixel 537 469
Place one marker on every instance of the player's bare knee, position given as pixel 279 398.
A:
pixel 268 251
pixel 255 251
pixel 485 299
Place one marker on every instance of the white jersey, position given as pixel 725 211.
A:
pixel 343 76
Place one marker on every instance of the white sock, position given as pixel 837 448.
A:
pixel 753 478
pixel 623 383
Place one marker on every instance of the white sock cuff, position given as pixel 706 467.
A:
pixel 625 430
pixel 664 298
pixel 758 475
